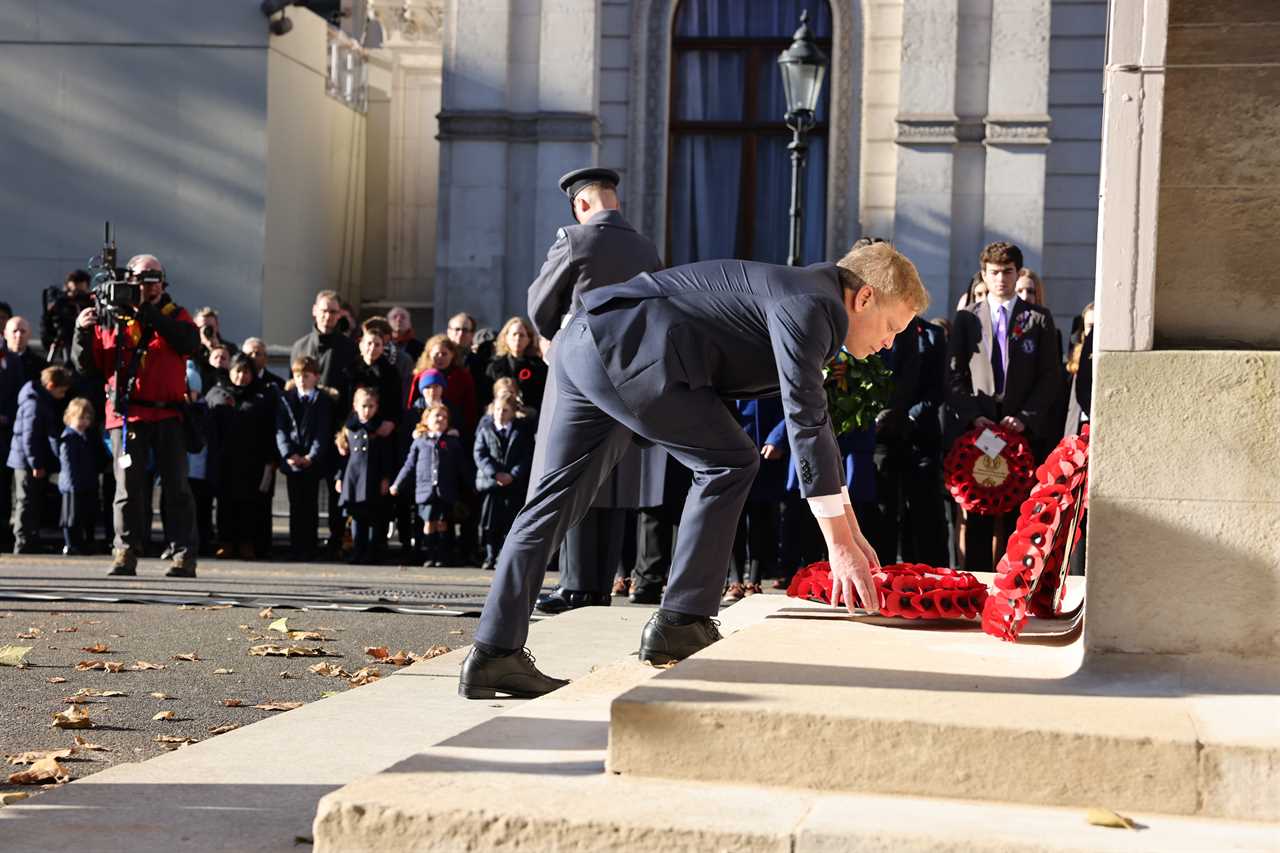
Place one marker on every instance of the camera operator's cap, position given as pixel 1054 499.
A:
pixel 579 179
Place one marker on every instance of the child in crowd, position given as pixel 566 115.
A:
pixel 198 463
pixel 368 463
pixel 33 453
pixel 303 426
pixel 242 459
pixel 82 457
pixel 441 354
pixel 508 386
pixel 438 464
pixel 503 453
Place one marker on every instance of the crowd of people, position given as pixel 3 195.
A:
pixel 432 441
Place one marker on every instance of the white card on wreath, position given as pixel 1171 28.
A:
pixel 990 443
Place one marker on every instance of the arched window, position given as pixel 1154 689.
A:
pixel 729 174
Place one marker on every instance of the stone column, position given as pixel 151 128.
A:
pixel 1017 126
pixel 926 140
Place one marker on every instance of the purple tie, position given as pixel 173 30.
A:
pixel 999 348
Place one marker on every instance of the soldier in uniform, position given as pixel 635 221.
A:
pixel 601 249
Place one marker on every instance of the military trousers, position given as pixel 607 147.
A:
pixel 164 444
pixel 592 430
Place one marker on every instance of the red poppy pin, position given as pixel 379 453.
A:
pixel 442 444
pixel 525 374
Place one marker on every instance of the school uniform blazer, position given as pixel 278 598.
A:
pixel 368 462
pixel 493 456
pixel 738 328
pixel 438 466
pixel 305 428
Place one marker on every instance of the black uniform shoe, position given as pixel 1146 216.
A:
pixel 484 677
pixel 182 568
pixel 646 596
pixel 560 599
pixel 123 564
pixel 662 643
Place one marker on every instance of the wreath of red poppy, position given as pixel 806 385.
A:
pixel 1029 578
pixel 525 374
pixel 905 590
pixel 989 485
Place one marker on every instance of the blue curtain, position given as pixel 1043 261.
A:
pixel 751 18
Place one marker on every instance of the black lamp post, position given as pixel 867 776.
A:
pixel 803 66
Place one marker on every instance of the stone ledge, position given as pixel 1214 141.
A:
pixel 929 711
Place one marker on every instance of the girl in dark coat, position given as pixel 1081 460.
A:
pixel 438 464
pixel 503 454
pixel 368 461
pixel 516 356
pixel 82 457
pixel 242 457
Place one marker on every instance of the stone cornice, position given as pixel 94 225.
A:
pixel 1017 130
pixel 518 127
pixel 937 129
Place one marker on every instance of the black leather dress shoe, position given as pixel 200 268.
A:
pixel 484 677
pixel 646 596
pixel 559 600
pixel 662 643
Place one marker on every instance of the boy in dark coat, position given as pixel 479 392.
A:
pixel 438 464
pixel 304 422
pixel 503 455
pixel 82 457
pixel 369 461
pixel 33 454
pixel 242 454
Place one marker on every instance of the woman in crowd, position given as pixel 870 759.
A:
pixel 516 356
pixel 441 354
pixel 242 410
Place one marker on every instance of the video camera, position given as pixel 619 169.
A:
pixel 115 295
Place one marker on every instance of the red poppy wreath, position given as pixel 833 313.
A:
pixel 906 590
pixel 985 482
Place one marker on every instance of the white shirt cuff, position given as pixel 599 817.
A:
pixel 830 506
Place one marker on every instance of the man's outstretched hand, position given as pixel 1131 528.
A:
pixel 850 576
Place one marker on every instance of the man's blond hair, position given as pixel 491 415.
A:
pixel 886 271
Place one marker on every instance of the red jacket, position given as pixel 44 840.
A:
pixel 459 392
pixel 162 369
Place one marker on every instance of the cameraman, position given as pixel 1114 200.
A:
pixel 57 324
pixel 150 392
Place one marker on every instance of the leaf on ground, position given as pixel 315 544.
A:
pixel 266 613
pixel 278 706
pixel 86 665
pixel 377 652
pixel 40 773
pixel 113 666
pixel 81 743
pixel 96 649
pixel 56 679
pixel 328 670
pixel 13 655
pixel 281 625
pixel 400 658
pixel 8 797
pixel 329 693
pixel 223 671
pixel 192 657
pixel 456 633
pixel 39 755
pixel 161 696
pixel 74 717
pixel 306 635
pixel 107 694
pixel 287 674
pixel 164 715
pixel 173 741
pixel 364 675
pixel 433 652
pixel 70 629
pixel 288 651
pixel 222 730
pixel 232 703
pixel 139 666
pixel 219 607
pixel 1108 818
pixel 32 633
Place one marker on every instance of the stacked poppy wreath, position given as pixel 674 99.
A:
pixel 1029 577
pixel 906 590
pixel 985 484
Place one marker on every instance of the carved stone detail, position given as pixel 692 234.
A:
pixel 519 127
pixel 410 23
pixel 1017 130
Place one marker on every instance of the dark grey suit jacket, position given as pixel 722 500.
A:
pixel 742 329
pixel 603 250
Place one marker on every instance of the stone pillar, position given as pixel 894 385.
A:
pixel 1185 472
pixel 926 139
pixel 1017 126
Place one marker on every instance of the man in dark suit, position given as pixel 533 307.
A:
pixel 601 249
pixel 655 358
pixel 1002 368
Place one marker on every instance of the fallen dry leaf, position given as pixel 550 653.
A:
pixel 75 717
pixel 86 665
pixel 278 706
pixel 43 771
pixel 232 703
pixel 164 715
pixel 377 652
pixel 70 629
pixel 107 694
pixel 81 743
pixel 433 652
pixel 57 679
pixel 266 613
pixel 281 625
pixel 364 675
pixel 222 730
pixel 12 797
pixel 306 635
pixel 400 658
pixel 456 633
pixel 223 671
pixel 173 741
pixel 39 755
pixel 328 670
pixel 31 634
pixel 113 666
pixel 96 649
pixel 289 651
pixel 192 657
pixel 13 655
pixel 142 665
pixel 161 696
pixel 1108 818
pixel 287 674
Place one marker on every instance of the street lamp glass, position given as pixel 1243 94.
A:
pixel 803 66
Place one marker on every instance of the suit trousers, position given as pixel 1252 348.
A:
pixel 79 512
pixel 164 439
pixel 592 429
pixel 303 488
pixel 592 550
pixel 28 505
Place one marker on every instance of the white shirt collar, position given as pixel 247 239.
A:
pixel 994 304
